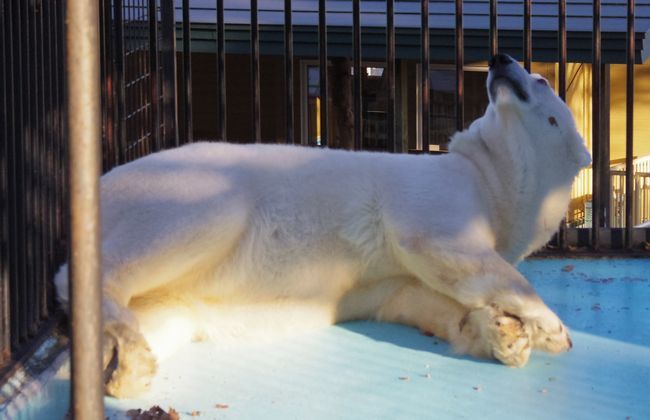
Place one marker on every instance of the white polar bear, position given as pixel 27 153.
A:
pixel 200 240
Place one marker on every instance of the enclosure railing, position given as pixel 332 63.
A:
pixel 147 105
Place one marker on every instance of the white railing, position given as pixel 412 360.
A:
pixel 580 207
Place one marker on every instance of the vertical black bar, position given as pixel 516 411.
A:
pixel 49 142
pixel 28 145
pixel 5 339
pixel 46 168
pixel 187 72
pixel 494 32
pixel 288 71
pixel 41 250
pixel 356 28
pixel 129 88
pixel 54 134
pixel 221 73
pixel 19 139
pixel 460 63
pixel 562 49
pixel 103 40
pixel 56 87
pixel 528 38
pixel 595 109
pixel 132 75
pixel 629 126
pixel 31 169
pixel 255 73
pixel 13 70
pixel 154 75
pixel 562 63
pixel 112 149
pixel 120 88
pixel 322 43
pixel 424 75
pixel 61 189
pixel 143 114
pixel 168 61
pixel 390 74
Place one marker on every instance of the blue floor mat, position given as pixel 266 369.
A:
pixel 367 370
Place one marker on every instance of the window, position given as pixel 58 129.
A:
pixel 341 115
pixel 442 101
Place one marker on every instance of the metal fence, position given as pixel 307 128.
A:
pixel 32 168
pixel 147 106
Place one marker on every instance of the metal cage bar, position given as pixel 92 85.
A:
pixel 30 185
pixel 154 75
pixel 187 73
pixel 84 119
pixel 424 77
pixel 110 158
pixel 562 49
pixel 596 62
pixel 562 64
pixel 629 126
pixel 356 47
pixel 528 35
pixel 42 274
pixel 255 74
pixel 18 284
pixel 390 76
pixel 120 82
pixel 460 66
pixel 324 97
pixel 494 30
pixel 221 73
pixel 288 72
pixel 5 328
pixel 169 85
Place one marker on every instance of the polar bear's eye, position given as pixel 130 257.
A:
pixel 552 121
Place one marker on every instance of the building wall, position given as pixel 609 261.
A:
pixel 238 97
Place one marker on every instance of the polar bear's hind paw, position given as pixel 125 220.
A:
pixel 128 361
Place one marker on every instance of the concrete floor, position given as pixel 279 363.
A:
pixel 366 370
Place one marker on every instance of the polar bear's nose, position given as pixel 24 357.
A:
pixel 499 60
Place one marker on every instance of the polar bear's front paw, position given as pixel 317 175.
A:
pixel 133 364
pixel 509 339
pixel 489 332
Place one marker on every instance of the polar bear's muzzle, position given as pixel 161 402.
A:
pixel 505 70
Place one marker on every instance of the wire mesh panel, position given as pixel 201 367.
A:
pixel 130 80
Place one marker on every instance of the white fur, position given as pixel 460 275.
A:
pixel 218 240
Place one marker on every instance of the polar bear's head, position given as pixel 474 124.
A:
pixel 525 112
